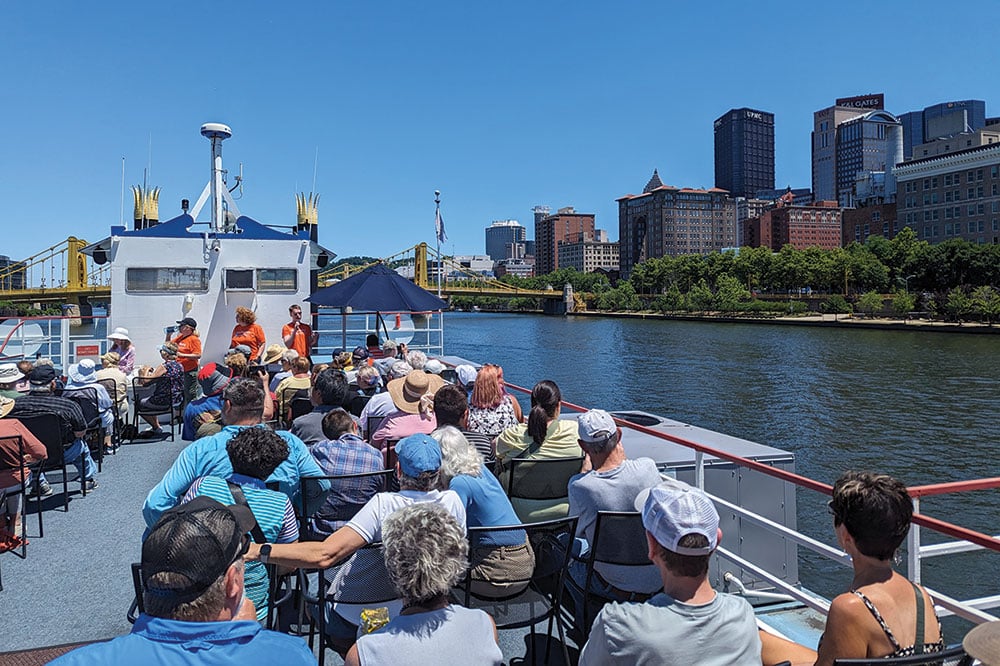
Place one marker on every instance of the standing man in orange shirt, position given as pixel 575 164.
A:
pixel 296 335
pixel 188 353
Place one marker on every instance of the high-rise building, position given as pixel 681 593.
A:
pixel 744 151
pixel 501 235
pixel 589 252
pixel 550 230
pixel 671 221
pixel 954 194
pixel 824 140
pixel 940 120
pixel 867 143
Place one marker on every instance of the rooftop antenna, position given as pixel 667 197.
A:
pixel 216 187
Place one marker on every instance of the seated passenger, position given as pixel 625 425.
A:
pixel 417 359
pixel 291 387
pixel 884 612
pixel 14 467
pixel 413 397
pixel 343 452
pixel 110 370
pixel 497 556
pixel 242 407
pixel 371 344
pixel 83 386
pixel 237 360
pixel 10 376
pixel 612 484
pixel 380 404
pixel 287 359
pixel 452 409
pixel 254 454
pixel 122 345
pixel 168 389
pixel 328 392
pixel 689 622
pixel 491 409
pixel 203 417
pixel 425 554
pixel 419 462
pixel 543 437
pixel 466 378
pixel 196 613
pixel 271 360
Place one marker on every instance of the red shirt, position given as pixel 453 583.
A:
pixel 301 339
pixel 9 428
pixel 188 344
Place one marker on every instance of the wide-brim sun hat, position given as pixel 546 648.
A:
pixel 9 373
pixel 983 643
pixel 82 372
pixel 119 334
pixel 6 404
pixel 407 391
pixel 272 354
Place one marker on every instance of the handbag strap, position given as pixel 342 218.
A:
pixel 918 642
pixel 240 498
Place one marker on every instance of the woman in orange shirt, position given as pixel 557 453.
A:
pixel 248 332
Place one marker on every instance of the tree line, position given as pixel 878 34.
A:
pixel 956 280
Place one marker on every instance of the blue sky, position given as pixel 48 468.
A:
pixel 501 106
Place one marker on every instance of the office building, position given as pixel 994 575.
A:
pixel 518 267
pixel 952 195
pixel 818 225
pixel 550 230
pixel 824 140
pixel 871 142
pixel 671 221
pixel 589 253
pixel 747 209
pixel 877 219
pixel 744 151
pixel 501 236
pixel 941 120
pixel 12 274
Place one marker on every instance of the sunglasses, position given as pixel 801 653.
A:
pixel 242 550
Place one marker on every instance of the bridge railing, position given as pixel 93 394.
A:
pixel 965 539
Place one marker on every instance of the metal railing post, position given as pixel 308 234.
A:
pixel 699 469
pixel 64 342
pixel 913 547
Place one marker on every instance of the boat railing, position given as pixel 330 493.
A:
pixel 965 538
pixel 64 339
pixel 347 330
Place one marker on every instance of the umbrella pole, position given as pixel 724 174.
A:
pixel 343 328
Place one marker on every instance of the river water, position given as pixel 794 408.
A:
pixel 920 406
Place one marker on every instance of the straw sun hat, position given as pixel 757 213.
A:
pixel 407 391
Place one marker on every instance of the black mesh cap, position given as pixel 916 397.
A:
pixel 197 541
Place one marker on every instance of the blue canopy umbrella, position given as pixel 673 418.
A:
pixel 378 289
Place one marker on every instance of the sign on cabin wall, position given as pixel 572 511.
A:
pixel 87 349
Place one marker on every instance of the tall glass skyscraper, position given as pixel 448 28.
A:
pixel 499 237
pixel 744 152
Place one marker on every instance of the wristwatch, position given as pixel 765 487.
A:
pixel 265 553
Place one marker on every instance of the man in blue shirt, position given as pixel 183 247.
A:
pixel 206 411
pixel 195 612
pixel 242 407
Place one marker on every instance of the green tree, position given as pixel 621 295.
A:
pixel 672 300
pixel 730 294
pixel 986 303
pixel 699 297
pixel 836 304
pixel 957 305
pixel 870 303
pixel 903 303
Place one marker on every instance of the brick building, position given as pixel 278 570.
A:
pixel 870 220
pixel 550 230
pixel 671 221
pixel 818 225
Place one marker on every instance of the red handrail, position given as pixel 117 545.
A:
pixel 978 538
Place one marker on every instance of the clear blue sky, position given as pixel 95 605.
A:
pixel 501 106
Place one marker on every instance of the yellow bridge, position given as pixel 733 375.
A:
pixel 60 274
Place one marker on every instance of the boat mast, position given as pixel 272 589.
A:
pixel 217 133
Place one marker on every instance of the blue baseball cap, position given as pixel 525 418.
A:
pixel 418 454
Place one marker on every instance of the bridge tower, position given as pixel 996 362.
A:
pixel 420 266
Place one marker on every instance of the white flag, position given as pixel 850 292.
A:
pixel 439 227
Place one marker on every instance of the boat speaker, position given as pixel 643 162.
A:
pixel 100 257
pixel 322 259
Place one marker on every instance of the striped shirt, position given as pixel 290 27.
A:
pixel 274 514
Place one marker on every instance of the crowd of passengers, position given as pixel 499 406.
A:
pixel 230 504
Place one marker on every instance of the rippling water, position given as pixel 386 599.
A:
pixel 920 406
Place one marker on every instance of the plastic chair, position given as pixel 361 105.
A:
pixel 950 656
pixel 344 497
pixel 541 479
pixel 48 429
pixel 541 599
pixel 620 540
pixel 141 390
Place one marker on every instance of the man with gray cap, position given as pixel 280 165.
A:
pixel 195 611
pixel 688 622
pixel 612 484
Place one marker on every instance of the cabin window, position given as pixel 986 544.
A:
pixel 277 279
pixel 166 279
pixel 239 278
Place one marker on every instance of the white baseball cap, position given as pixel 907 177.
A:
pixel 596 426
pixel 673 510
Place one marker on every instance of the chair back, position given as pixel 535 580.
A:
pixel 299 407
pixel 542 479
pixel 950 656
pixel 357 404
pixel 620 539
pixel 347 494
pixel 48 430
pixel 87 399
pixel 372 425
pixel 142 390
pixel 11 452
pixel 111 386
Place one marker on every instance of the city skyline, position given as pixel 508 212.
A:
pixel 382 106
